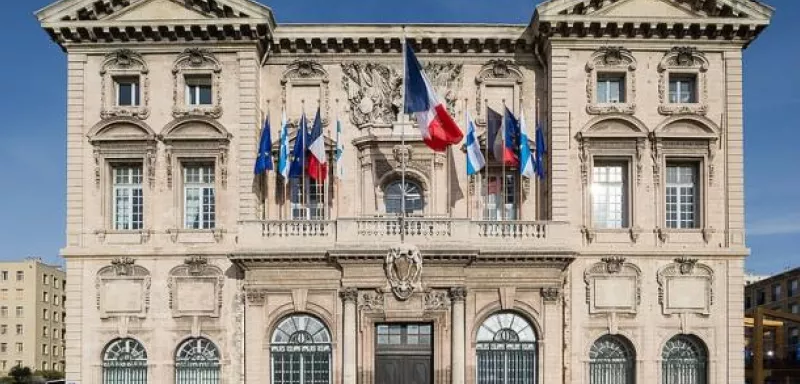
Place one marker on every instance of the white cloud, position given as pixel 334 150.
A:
pixel 784 225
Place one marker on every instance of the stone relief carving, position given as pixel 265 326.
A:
pixel 436 300
pixel 613 286
pixel 550 295
pixel 373 91
pixel 195 288
pixel 349 294
pixel 196 62
pixel 611 60
pixel 458 294
pixel 371 301
pixel 124 63
pixel 404 270
pixel 447 79
pixel 306 73
pixel 496 72
pixel 686 286
pixel 123 289
pixel 683 60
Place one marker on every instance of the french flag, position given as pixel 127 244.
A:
pixel 437 127
pixel 318 161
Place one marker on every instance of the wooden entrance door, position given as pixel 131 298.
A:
pixel 403 354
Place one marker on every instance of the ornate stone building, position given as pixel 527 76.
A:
pixel 625 264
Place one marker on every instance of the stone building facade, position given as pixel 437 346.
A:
pixel 32 315
pixel 625 264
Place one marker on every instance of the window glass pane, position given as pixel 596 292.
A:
pixel 393 198
pixel 199 196
pixel 681 196
pixel 198 90
pixel 500 198
pixel 204 94
pixel 128 197
pixel 127 91
pixel 602 91
pixel 609 201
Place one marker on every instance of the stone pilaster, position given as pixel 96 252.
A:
pixel 552 354
pixel 255 326
pixel 349 369
pixel 458 296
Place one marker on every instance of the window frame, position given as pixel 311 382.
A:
pixel 699 193
pixel 606 77
pixel 611 60
pixel 304 186
pixel 512 189
pixel 136 91
pixel 202 187
pixel 113 188
pixel 193 87
pixel 683 61
pixel 680 78
pixel 196 62
pixel 119 65
pixel 627 192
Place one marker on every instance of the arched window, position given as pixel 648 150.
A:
pixel 612 361
pixel 301 351
pixel 506 350
pixel 393 198
pixel 125 362
pixel 197 361
pixel 684 361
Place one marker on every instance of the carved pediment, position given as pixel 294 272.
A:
pixel 149 10
pixel 686 286
pixel 614 127
pixel 195 128
pixel 613 286
pixel 690 127
pixel 195 288
pixel 123 289
pixel 644 9
pixel 121 129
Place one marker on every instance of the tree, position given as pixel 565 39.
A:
pixel 49 375
pixel 21 375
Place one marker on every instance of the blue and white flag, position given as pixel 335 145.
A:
pixel 475 159
pixel 541 151
pixel 339 151
pixel 527 166
pixel 264 156
pixel 283 158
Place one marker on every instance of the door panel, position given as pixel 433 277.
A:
pixel 403 354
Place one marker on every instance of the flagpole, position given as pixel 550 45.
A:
pixel 403 145
pixel 485 200
pixel 337 183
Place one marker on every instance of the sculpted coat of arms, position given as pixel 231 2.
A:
pixel 373 90
pixel 404 270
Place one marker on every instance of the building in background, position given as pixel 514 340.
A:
pixel 32 315
pixel 750 278
pixel 780 293
pixel 624 263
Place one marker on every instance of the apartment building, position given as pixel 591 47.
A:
pixel 32 315
pixel 780 292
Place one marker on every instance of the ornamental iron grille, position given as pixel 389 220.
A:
pixel 197 362
pixel 684 361
pixel 612 361
pixel 506 350
pixel 125 362
pixel 301 351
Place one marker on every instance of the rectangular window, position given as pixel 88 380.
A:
pixel 20 294
pixel 761 297
pixel 3 347
pixel 794 287
pixel 500 196
pixel 20 275
pixel 56 299
pixel 45 297
pixel 55 316
pixel 747 302
pixel 610 195
pixel 4 294
pixel 45 279
pixel 128 91
pixel 4 275
pixel 19 348
pixel 45 349
pixel 19 329
pixel 128 198
pixel 45 314
pixel 55 351
pixel 4 311
pixel 20 311
pixel 198 90
pixel 199 196
pixel 795 308
pixel 3 329
pixel 308 199
pixel 45 332
pixel 776 292
pixel 55 282
pixel 682 195
pixel 610 88
pixel 682 88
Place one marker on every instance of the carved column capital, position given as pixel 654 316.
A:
pixel 458 294
pixel 550 295
pixel 349 294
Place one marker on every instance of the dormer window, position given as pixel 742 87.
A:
pixel 128 91
pixel 198 90
pixel 682 88
pixel 610 88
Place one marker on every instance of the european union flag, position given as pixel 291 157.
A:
pixel 264 156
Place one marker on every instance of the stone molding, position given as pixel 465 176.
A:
pixel 305 73
pixel 403 268
pixel 194 274
pixel 686 275
pixel 611 60
pixel 123 289
pixel 683 60
pixel 349 294
pixel 196 62
pixel 607 280
pixel 124 63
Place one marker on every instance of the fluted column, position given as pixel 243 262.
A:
pixel 457 296
pixel 349 369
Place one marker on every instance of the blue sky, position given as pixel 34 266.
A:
pixel 32 149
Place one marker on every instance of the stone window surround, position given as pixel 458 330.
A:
pixel 306 73
pixel 196 62
pixel 616 61
pixel 110 149
pixel 124 63
pixel 697 147
pixel 628 147
pixel 412 176
pixel 497 73
pixel 683 60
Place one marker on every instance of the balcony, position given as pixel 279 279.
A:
pixel 380 232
